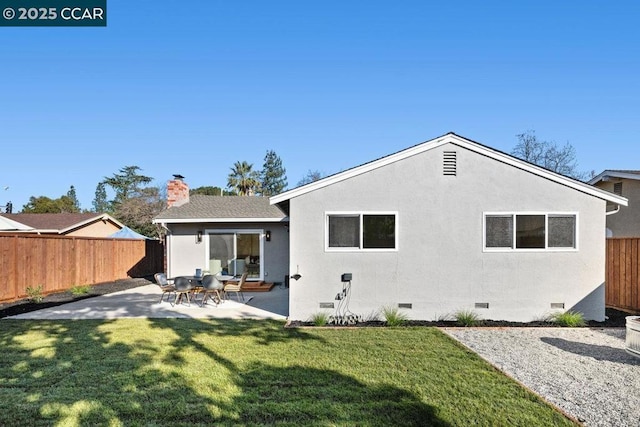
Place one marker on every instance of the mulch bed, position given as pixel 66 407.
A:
pixel 616 318
pixel 53 300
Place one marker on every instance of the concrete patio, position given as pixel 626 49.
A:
pixel 143 302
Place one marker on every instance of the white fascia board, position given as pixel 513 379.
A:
pixel 103 217
pixel 425 146
pixel 542 172
pixel 462 142
pixel 614 174
pixel 216 220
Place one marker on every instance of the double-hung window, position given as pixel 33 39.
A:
pixel 530 231
pixel 361 231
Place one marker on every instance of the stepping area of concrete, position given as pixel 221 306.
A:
pixel 144 302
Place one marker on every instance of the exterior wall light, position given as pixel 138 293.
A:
pixel 199 236
pixel 267 235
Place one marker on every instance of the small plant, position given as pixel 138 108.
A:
pixel 571 319
pixel 372 316
pixel 80 289
pixel 446 317
pixel 35 293
pixel 467 317
pixel 394 317
pixel 543 318
pixel 319 319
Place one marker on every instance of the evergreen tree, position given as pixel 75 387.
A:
pixel 211 191
pixel 100 203
pixel 134 204
pixel 273 175
pixel 44 204
pixel 127 183
pixel 71 194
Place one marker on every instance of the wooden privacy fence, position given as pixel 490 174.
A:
pixel 58 263
pixel 622 286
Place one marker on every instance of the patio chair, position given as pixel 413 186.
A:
pixel 211 288
pixel 183 287
pixel 165 286
pixel 236 287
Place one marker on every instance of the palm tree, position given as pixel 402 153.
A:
pixel 243 179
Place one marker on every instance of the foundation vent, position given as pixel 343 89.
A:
pixel 405 305
pixel 557 305
pixel 482 305
pixel 326 305
pixel 449 163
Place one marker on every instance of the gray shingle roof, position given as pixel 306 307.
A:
pixel 211 208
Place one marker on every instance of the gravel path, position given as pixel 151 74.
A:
pixel 584 371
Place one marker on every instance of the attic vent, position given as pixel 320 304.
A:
pixel 617 188
pixel 449 164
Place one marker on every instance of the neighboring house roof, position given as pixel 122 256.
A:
pixel 60 223
pixel 7 224
pixel 202 208
pixel 613 173
pixel 450 138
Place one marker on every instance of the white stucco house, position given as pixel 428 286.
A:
pixel 626 183
pixel 224 234
pixel 443 226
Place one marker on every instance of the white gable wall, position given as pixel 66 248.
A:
pixel 626 222
pixel 439 266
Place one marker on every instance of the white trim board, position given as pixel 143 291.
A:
pixel 451 138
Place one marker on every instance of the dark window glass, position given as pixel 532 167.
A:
pixel 344 231
pixel 530 232
pixel 379 231
pixel 499 231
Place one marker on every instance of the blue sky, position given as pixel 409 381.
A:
pixel 192 87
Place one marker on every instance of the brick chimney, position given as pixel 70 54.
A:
pixel 177 191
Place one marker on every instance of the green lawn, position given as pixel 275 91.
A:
pixel 152 372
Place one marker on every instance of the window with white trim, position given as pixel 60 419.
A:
pixel 515 231
pixel 361 231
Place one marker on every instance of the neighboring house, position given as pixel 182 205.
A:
pixel 443 226
pixel 626 183
pixel 10 225
pixel 68 224
pixel 228 234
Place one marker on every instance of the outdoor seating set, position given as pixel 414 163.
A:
pixel 212 287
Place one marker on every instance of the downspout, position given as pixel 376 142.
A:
pixel 615 211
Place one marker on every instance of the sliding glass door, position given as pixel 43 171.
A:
pixel 234 252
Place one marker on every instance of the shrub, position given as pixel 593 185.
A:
pixel 35 293
pixel 571 319
pixel 467 317
pixel 319 319
pixel 394 317
pixel 80 289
